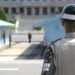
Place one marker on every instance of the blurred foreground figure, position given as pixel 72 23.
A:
pixel 65 48
pixel 43 48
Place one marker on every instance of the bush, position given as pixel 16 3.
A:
pixel 38 28
pixel 12 28
pixel 12 21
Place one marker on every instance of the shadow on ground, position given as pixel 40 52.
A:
pixel 33 52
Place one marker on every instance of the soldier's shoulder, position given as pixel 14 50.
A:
pixel 63 41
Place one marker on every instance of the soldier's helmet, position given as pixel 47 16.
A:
pixel 68 17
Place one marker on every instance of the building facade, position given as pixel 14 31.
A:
pixel 33 7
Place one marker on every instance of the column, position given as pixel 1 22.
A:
pixel 33 11
pixel 49 12
pixel 9 12
pixel 25 11
pixel 40 11
pixel 56 10
pixel 17 10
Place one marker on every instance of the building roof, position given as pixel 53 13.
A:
pixel 6 24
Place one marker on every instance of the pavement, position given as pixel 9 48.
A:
pixel 20 51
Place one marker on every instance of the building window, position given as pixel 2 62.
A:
pixel 52 9
pixel 6 10
pixel 45 11
pixel 21 10
pixel 29 11
pixel 36 11
pixel 13 10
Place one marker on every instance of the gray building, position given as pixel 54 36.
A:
pixel 33 7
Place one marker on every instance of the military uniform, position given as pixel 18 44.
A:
pixel 65 48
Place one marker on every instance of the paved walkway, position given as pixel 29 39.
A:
pixel 8 54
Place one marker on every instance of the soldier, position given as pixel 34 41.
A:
pixel 3 36
pixel 65 48
pixel 10 39
pixel 29 37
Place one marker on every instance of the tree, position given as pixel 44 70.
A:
pixel 3 15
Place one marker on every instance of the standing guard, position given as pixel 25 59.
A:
pixel 3 36
pixel 29 37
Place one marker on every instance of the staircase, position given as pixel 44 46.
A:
pixel 25 26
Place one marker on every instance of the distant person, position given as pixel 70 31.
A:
pixel 3 36
pixel 10 40
pixel 29 37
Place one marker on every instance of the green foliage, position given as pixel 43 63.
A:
pixel 12 21
pixel 12 28
pixel 38 28
pixel 3 15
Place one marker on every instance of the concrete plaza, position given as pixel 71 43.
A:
pixel 20 51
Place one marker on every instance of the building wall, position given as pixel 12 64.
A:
pixel 33 7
